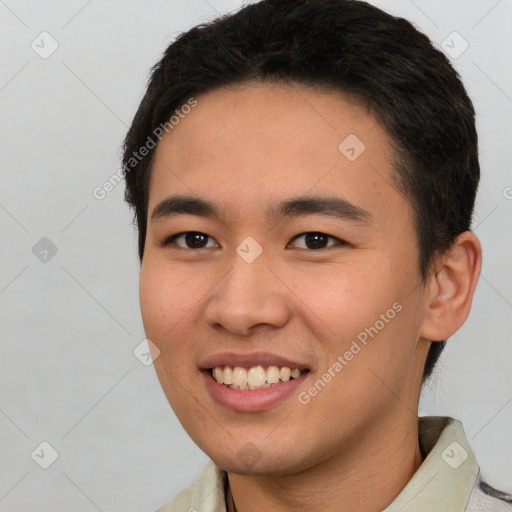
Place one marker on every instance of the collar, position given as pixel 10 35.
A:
pixel 444 481
pixel 446 477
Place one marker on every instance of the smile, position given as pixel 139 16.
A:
pixel 255 377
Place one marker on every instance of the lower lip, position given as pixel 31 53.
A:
pixel 251 400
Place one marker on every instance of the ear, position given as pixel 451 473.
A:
pixel 450 288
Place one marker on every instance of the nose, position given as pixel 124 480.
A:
pixel 250 296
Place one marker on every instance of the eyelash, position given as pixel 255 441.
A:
pixel 170 240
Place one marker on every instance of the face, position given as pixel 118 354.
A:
pixel 328 288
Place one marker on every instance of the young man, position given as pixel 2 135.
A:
pixel 303 175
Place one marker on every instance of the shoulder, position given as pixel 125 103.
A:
pixel 484 497
pixel 181 502
pixel 206 494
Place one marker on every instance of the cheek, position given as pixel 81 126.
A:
pixel 167 295
pixel 155 303
pixel 351 296
pixel 368 312
pixel 165 302
pixel 161 308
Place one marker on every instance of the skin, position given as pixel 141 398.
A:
pixel 354 446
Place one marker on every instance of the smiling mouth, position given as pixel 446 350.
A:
pixel 255 377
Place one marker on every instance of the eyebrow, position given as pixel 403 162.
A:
pixel 293 207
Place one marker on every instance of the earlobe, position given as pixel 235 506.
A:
pixel 451 288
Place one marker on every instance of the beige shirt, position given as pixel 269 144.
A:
pixel 446 481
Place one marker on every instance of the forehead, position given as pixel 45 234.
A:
pixel 246 146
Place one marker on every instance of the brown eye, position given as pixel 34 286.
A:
pixel 192 240
pixel 316 240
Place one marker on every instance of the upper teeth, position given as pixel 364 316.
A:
pixel 254 377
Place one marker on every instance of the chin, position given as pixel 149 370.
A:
pixel 238 467
pixel 251 461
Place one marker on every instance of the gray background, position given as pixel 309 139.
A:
pixel 70 322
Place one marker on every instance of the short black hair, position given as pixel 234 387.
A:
pixel 348 46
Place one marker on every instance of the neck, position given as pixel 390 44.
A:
pixel 367 476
